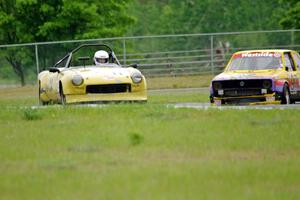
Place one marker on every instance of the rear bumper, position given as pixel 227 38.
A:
pixel 128 96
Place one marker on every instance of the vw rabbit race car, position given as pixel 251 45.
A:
pixel 91 73
pixel 258 77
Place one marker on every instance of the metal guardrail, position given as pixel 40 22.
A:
pixel 166 55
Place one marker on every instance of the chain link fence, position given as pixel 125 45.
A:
pixel 156 56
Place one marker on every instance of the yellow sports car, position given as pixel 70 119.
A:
pixel 91 73
pixel 258 77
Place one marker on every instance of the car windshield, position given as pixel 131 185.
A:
pixel 255 61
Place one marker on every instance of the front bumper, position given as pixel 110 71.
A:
pixel 273 98
pixel 128 96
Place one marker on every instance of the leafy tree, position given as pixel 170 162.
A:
pixel 205 16
pixel 292 17
pixel 88 19
pixel 195 16
pixel 23 21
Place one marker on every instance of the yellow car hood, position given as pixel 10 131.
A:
pixel 247 74
pixel 102 74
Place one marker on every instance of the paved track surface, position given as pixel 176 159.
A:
pixel 179 90
pixel 206 106
pixel 200 106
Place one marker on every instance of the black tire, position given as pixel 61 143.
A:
pixel 42 103
pixel 61 95
pixel 286 97
pixel 211 99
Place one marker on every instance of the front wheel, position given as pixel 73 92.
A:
pixel 41 102
pixel 61 95
pixel 286 97
pixel 211 99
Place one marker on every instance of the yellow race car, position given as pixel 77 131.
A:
pixel 258 77
pixel 91 73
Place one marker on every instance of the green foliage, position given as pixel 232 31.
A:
pixel 135 139
pixel 89 19
pixel 23 21
pixel 36 20
pixel 196 16
pixel 30 114
pixel 291 18
pixel 206 16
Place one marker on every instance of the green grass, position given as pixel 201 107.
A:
pixel 146 151
pixel 179 81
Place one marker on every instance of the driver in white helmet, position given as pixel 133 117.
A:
pixel 101 57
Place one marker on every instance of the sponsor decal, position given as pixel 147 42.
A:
pixel 258 54
pixel 270 99
pixel 239 76
pixel 277 55
pixel 218 102
pixel 279 85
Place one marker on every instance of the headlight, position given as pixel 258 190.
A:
pixel 77 80
pixel 136 77
pixel 267 84
pixel 217 85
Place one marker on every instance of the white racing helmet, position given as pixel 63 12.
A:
pixel 101 57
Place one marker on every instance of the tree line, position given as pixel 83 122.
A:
pixel 24 21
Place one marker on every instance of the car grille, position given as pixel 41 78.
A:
pixel 247 84
pixel 110 88
pixel 236 88
pixel 244 92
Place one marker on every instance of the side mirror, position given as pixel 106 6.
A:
pixel 54 70
pixel 134 65
pixel 286 69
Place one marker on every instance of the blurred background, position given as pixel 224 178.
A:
pixel 172 41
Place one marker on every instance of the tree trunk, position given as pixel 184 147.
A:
pixel 22 79
pixel 18 69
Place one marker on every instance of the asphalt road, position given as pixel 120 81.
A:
pixel 205 106
pixel 179 90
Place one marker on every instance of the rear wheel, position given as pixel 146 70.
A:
pixel 286 97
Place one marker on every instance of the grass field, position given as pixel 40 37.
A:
pixel 146 151
pixel 179 81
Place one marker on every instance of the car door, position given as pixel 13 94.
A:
pixel 296 59
pixel 292 73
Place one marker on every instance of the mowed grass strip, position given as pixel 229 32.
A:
pixel 179 81
pixel 147 151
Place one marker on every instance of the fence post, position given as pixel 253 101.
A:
pixel 212 54
pixel 37 59
pixel 124 52
pixel 292 38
